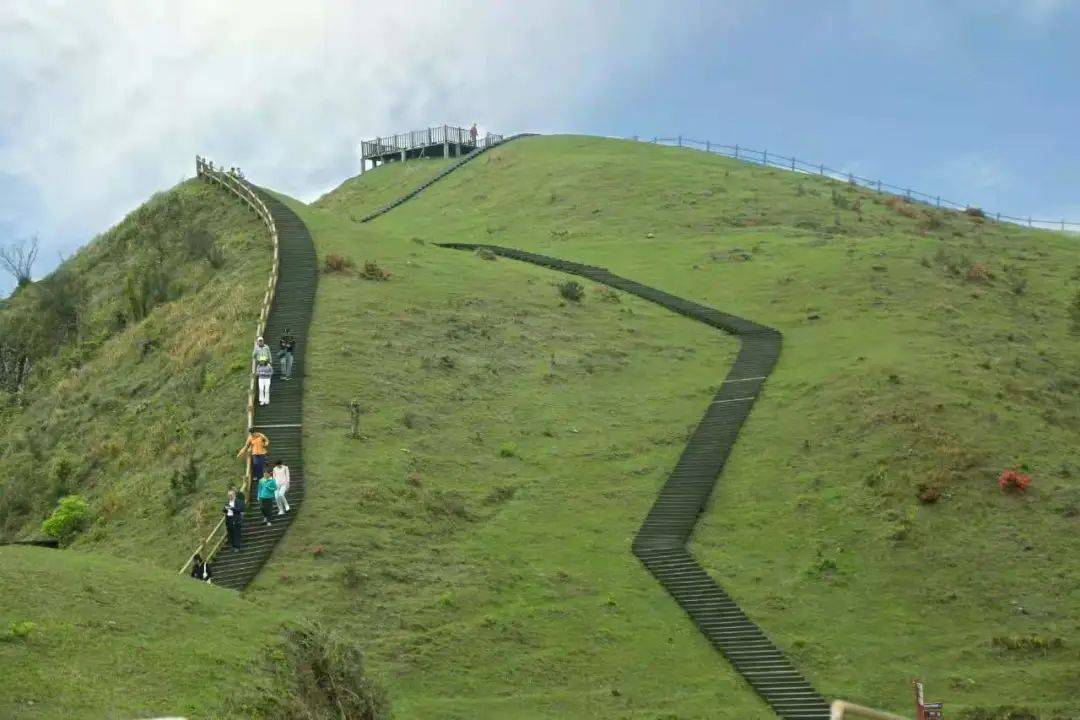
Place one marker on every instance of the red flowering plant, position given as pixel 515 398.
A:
pixel 1013 481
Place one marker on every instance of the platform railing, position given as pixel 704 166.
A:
pixel 232 179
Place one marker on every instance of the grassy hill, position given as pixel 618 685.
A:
pixel 140 346
pixel 110 638
pixel 925 351
pixel 475 537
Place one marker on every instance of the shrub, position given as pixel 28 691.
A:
pixel 18 631
pixel 975 212
pixel 571 290
pixel 840 201
pixel 1013 481
pixel 69 519
pixel 372 271
pixel 201 245
pixel 1026 642
pixel 145 290
pixel 330 678
pixel 485 254
pixel 334 263
pixel 507 450
pixel 902 206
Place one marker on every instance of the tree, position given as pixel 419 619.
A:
pixel 18 259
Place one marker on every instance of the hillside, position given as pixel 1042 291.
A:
pixel 370 191
pixel 924 352
pixel 140 346
pixel 116 639
pixel 951 380
pixel 474 536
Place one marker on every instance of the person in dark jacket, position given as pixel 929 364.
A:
pixel 200 570
pixel 286 345
pixel 234 517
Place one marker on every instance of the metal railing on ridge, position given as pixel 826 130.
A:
pixel 232 179
pixel 793 164
pixel 414 139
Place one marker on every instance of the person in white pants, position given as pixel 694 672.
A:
pixel 264 371
pixel 281 477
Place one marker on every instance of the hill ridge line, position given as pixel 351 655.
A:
pixel 442 173
pixel 660 543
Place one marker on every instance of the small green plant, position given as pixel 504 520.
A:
pixel 69 519
pixel 507 450
pixel 356 409
pixel 351 575
pixel 571 290
pixel 372 271
pixel 607 294
pixel 485 254
pixel 19 631
pixel 840 201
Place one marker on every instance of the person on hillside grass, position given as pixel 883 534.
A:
pixel 234 517
pixel 257 444
pixel 267 490
pixel 200 570
pixel 261 351
pixel 285 354
pixel 264 371
pixel 281 482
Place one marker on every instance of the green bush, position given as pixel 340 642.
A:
pixel 572 290
pixel 69 519
pixel 18 631
pixel 331 681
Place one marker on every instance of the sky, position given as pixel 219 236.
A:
pixel 104 102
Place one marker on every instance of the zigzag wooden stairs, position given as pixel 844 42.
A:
pixel 661 541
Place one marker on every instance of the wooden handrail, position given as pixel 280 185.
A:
pixel 232 180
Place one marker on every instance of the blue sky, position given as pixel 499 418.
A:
pixel 104 102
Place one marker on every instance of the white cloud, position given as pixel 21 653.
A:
pixel 103 102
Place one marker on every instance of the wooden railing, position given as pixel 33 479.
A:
pixel 232 179
pixel 424 138
pixel 841 709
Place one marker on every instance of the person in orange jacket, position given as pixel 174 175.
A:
pixel 257 445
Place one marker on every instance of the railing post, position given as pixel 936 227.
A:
pixel 764 157
pixel 1029 221
pixel 736 152
pixel 938 201
pixel 850 179
pixel 792 164
pixel 680 141
pixel 821 169
pixel 708 146
pixel 999 217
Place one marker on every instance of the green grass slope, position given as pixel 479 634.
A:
pixel 117 639
pixel 475 539
pixel 117 404
pixel 368 192
pixel 924 352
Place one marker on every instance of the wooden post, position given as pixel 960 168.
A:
pixel 938 199
pixel 821 169
pixel 445 143
pixel 764 157
pixel 1029 221
pixel 1063 225
pixel 680 141
pixel 792 164
pixel 736 152
pixel 708 146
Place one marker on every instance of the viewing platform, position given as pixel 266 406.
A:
pixel 443 141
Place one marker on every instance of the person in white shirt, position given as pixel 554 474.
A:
pixel 281 478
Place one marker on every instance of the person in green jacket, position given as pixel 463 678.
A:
pixel 267 488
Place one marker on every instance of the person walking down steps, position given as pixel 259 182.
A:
pixel 264 371
pixel 261 352
pixel 287 345
pixel 257 444
pixel 267 490
pixel 281 484
pixel 234 517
